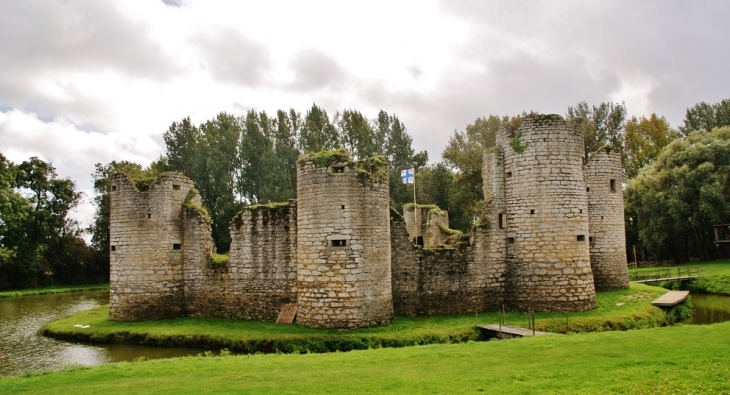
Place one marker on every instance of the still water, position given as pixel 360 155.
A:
pixel 709 309
pixel 23 349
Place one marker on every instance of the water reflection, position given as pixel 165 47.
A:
pixel 709 309
pixel 24 350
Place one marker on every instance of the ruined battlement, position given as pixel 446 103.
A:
pixel 551 234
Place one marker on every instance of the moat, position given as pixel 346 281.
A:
pixel 25 350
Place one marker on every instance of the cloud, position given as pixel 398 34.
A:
pixel 314 70
pixel 231 57
pixel 174 3
pixel 47 46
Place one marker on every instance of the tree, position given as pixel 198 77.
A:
pixel 675 200
pixel 182 142
pixel 358 136
pixel 704 116
pixel 644 139
pixel 39 242
pixel 317 132
pixel 463 154
pixel 602 124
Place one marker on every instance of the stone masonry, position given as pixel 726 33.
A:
pixel 343 247
pixel 551 234
pixel 606 220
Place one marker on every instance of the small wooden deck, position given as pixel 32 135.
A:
pixel 670 298
pixel 508 332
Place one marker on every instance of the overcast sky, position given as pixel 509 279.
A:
pixel 88 81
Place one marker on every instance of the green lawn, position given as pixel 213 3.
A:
pixel 616 310
pixel 52 290
pixel 667 360
pixel 715 280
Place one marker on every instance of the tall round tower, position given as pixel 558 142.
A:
pixel 343 242
pixel 606 220
pixel 548 263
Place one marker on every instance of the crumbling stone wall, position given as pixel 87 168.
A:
pixel 606 220
pixel 260 274
pixel 404 268
pixel 426 222
pixel 146 248
pixel 548 261
pixel 343 245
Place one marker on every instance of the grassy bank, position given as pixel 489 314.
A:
pixel 52 290
pixel 715 280
pixel 616 310
pixel 680 359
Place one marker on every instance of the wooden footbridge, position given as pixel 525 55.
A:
pixel 508 332
pixel 666 274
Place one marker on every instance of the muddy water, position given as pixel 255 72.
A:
pixel 25 350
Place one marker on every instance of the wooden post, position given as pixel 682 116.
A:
pixel 636 262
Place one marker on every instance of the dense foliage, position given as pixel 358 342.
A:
pixel 678 198
pixel 40 245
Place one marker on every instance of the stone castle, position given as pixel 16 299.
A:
pixel 552 233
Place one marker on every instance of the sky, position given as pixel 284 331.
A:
pixel 90 81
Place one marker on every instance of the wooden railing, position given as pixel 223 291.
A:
pixel 666 274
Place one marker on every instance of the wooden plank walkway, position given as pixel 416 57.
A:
pixel 670 298
pixel 666 274
pixel 508 332
pixel 287 314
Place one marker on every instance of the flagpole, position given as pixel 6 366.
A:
pixel 416 221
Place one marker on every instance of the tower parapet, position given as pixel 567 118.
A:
pixel 343 242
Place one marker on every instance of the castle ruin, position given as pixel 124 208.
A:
pixel 552 233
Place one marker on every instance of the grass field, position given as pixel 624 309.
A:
pixel 715 280
pixel 52 290
pixel 668 360
pixel 616 310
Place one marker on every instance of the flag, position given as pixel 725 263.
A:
pixel 407 175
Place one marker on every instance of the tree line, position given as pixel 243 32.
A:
pixel 677 181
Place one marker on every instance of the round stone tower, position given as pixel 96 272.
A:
pixel 146 234
pixel 606 220
pixel 343 242
pixel 546 221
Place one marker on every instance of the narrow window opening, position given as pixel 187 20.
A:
pixel 339 243
pixel 338 169
pixel 149 215
pixel 580 211
pixel 177 246
pixel 588 189
pixel 532 211
pixel 343 206
pixel 510 240
pixel 601 216
pixel 114 248
pixel 613 185
pixel 419 241
pixel 580 237
pixel 176 187
pixel 114 188
pixel 508 174
pixel 501 221
pixel 590 239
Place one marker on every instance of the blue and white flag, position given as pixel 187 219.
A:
pixel 407 175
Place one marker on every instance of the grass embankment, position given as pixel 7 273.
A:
pixel 715 280
pixel 669 360
pixel 616 310
pixel 52 290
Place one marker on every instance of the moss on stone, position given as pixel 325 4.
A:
pixel 375 168
pixel 326 158
pixel 193 208
pixel 410 206
pixel 218 260
pixel 449 231
pixel 516 143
